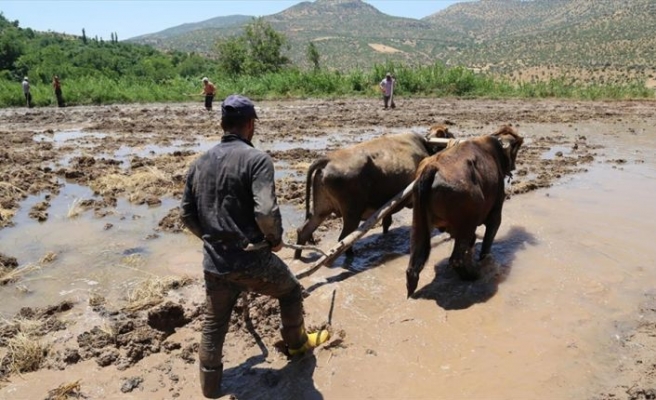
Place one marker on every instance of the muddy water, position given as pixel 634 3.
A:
pixel 573 263
pixel 107 256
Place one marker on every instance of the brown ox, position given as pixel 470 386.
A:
pixel 457 190
pixel 356 181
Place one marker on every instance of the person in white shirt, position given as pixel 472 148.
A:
pixel 387 87
pixel 26 92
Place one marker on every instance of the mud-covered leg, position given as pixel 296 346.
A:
pixel 221 298
pixel 304 233
pixel 351 222
pixel 491 227
pixel 461 258
pixel 387 222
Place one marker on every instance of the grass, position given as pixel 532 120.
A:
pixel 96 299
pixel 150 292
pixel 25 353
pixel 150 181
pixel 9 275
pixel 75 209
pixel 435 80
pixel 24 325
pixel 48 258
pixel 133 260
pixel 8 187
pixel 65 391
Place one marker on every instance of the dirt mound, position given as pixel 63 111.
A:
pixel 8 261
pixel 297 155
pixel 130 337
pixel 22 335
pixel 171 222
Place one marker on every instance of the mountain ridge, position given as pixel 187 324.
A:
pixel 495 35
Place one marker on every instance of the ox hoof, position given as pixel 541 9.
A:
pixel 297 255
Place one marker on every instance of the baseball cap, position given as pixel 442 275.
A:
pixel 25 78
pixel 388 74
pixel 205 79
pixel 238 106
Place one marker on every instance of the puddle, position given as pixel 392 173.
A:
pixel 93 259
pixel 556 151
pixel 569 262
pixel 66 136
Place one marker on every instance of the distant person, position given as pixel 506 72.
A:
pixel 56 84
pixel 387 87
pixel 208 90
pixel 229 201
pixel 26 92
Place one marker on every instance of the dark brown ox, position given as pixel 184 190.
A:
pixel 457 190
pixel 356 181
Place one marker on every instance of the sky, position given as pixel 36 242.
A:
pixel 129 18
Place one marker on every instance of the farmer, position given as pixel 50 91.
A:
pixel 26 92
pixel 58 92
pixel 229 202
pixel 208 90
pixel 387 87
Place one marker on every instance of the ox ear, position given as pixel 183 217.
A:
pixel 508 146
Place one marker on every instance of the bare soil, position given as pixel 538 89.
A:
pixel 153 352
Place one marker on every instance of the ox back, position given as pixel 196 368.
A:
pixel 355 181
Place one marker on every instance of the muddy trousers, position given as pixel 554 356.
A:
pixel 209 98
pixel 386 100
pixel 60 98
pixel 275 280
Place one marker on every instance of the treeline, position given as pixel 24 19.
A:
pixel 94 71
pixel 40 55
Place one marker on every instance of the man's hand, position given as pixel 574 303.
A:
pixel 277 248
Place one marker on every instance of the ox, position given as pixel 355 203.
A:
pixel 457 190
pixel 356 181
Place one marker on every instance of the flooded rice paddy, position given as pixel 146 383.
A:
pixel 565 309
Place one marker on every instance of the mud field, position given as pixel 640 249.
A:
pixel 103 293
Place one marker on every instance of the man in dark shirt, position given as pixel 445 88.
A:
pixel 230 202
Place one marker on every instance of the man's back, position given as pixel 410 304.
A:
pixel 230 185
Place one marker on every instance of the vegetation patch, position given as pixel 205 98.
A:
pixel 66 391
pixel 151 292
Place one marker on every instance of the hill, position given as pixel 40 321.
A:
pixel 347 33
pixel 597 38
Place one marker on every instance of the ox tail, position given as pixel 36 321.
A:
pixel 421 227
pixel 316 165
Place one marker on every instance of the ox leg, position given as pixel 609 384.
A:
pixel 491 227
pixel 462 257
pixel 351 222
pixel 304 233
pixel 387 222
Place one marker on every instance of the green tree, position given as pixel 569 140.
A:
pixel 233 53
pixel 265 47
pixel 84 36
pixel 11 48
pixel 258 50
pixel 313 55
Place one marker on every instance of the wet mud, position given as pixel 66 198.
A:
pixel 138 155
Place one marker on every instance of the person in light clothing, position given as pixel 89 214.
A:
pixel 387 87
pixel 26 92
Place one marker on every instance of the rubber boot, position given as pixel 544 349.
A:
pixel 210 381
pixel 313 340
